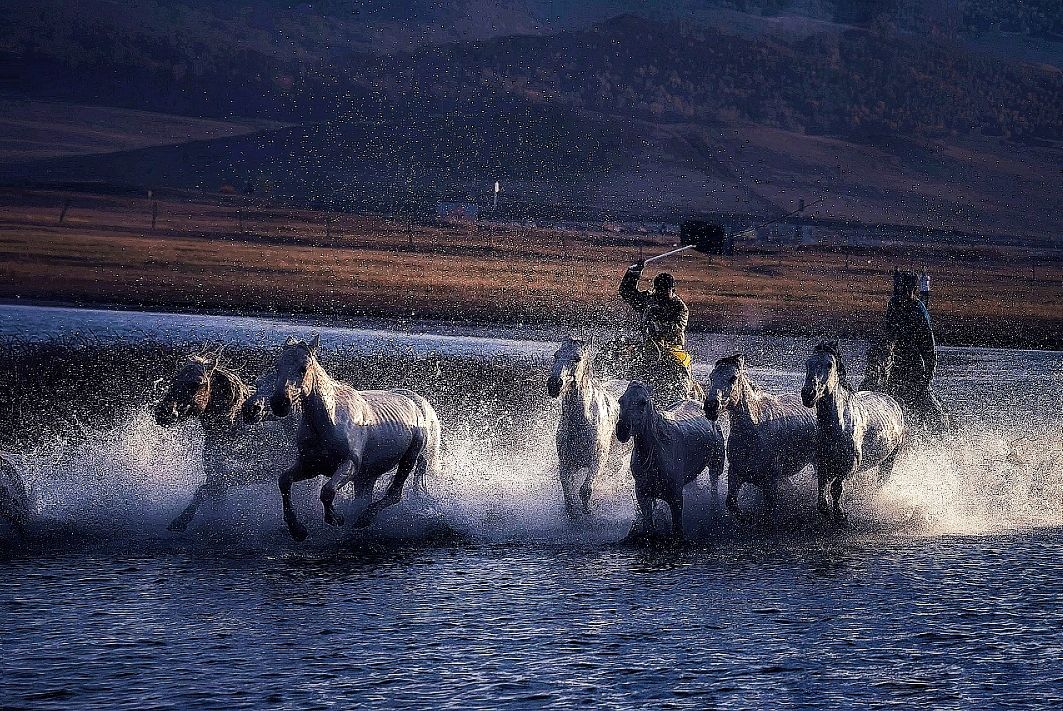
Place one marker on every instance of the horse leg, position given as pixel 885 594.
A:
pixel 585 490
pixel 643 522
pixel 886 467
pixel 676 506
pixel 180 523
pixel 343 474
pixel 593 471
pixel 836 495
pixel 290 475
pixel 734 487
pixel 821 500
pixel 414 458
pixel 567 476
pixel 770 489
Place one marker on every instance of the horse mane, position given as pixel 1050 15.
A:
pixel 227 394
pixel 832 348
pixel 738 361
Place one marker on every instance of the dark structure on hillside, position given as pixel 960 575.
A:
pixel 708 237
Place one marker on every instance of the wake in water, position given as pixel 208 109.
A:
pixel 125 483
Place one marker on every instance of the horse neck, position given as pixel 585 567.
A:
pixel 227 396
pixel 577 399
pixel 320 402
pixel 746 412
pixel 831 409
pixel 650 432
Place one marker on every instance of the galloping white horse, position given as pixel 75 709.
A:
pixel 350 435
pixel 14 501
pixel 589 410
pixel 771 438
pixel 855 431
pixel 233 452
pixel 671 448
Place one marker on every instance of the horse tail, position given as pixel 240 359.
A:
pixel 433 440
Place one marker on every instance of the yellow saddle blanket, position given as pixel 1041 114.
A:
pixel 682 357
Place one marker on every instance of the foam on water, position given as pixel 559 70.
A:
pixel 127 483
pixel 977 482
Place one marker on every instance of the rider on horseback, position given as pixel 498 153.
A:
pixel 908 352
pixel 664 363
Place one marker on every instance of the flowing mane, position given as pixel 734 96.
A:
pixel 227 396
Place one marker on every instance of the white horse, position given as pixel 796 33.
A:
pixel 671 448
pixel 14 500
pixel 350 435
pixel 770 439
pixel 589 410
pixel 855 431
pixel 232 451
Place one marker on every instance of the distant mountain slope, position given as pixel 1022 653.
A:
pixel 856 84
pixel 844 83
pixel 740 109
pixel 35 130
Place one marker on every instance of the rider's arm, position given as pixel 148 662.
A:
pixel 629 287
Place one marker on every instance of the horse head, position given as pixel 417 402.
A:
pixel 824 373
pixel 725 387
pixel 190 391
pixel 256 407
pixel 296 370
pixel 570 363
pixel 634 404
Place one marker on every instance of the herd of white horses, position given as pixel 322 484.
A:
pixel 357 437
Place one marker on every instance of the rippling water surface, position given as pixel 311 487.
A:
pixel 945 591
pixel 934 622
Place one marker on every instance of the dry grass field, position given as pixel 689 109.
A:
pixel 228 255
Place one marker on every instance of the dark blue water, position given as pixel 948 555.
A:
pixel 946 590
pixel 937 622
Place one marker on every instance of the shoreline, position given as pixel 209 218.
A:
pixel 426 324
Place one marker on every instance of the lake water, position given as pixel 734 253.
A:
pixel 944 591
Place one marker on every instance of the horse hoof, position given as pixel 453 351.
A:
pixel 177 526
pixel 363 521
pixel 297 531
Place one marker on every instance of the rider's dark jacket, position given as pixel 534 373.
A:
pixel 908 331
pixel 663 320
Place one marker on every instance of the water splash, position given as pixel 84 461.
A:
pixel 127 482
pixel 976 481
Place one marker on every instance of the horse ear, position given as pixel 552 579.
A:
pixel 314 344
pixel 292 341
